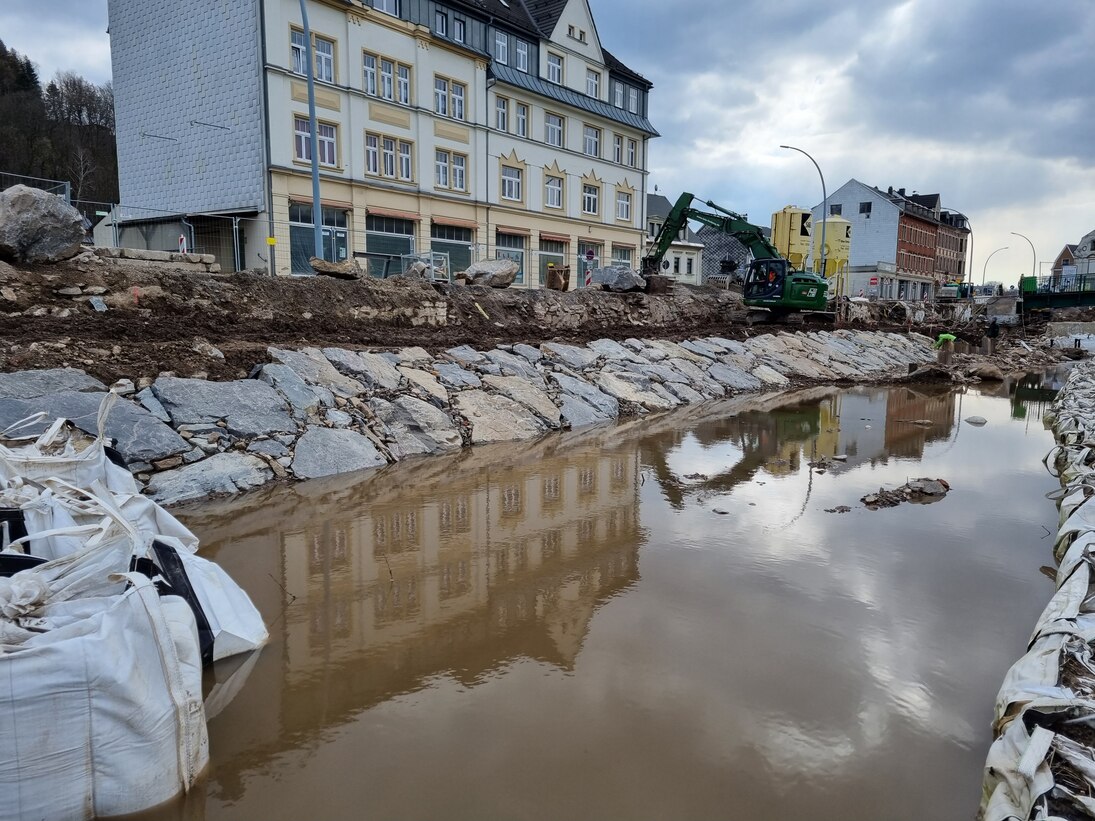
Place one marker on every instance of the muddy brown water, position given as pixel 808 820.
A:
pixel 566 629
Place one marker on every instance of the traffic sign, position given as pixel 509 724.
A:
pixel 874 280
pixel 589 255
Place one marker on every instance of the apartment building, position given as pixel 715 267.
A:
pixel 469 129
pixel 903 246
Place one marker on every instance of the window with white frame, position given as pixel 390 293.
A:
pixel 623 205
pixel 522 56
pixel 501 108
pixel 459 172
pixel 387 79
pixel 441 168
pixel 448 98
pixel 591 144
pixel 459 29
pixel 676 264
pixel 617 148
pixel 511 183
pixel 325 58
pixel 403 85
pixel 632 153
pixel 387 154
pixel 593 83
pixel 327 139
pixel 618 95
pixel 441 22
pixel 591 197
pixel 688 265
pixel 387 6
pixel 555 68
pixel 553 192
pixel 553 130
pixel 501 47
pixel 521 120
pixel 372 154
pixel 368 79
pixel 633 100
pixel 406 165
pixel 322 48
pixel 622 255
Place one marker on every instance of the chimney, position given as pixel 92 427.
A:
pixel 890 190
pixel 901 191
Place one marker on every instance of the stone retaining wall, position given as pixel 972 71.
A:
pixel 319 412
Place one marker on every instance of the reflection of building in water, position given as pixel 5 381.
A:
pixel 906 405
pixel 423 570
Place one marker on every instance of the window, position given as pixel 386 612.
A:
pixel 457 243
pixel 501 47
pixel 501 108
pixel 302 236
pixel 676 264
pixel 327 139
pixel 323 49
pixel 553 192
pixel 441 164
pixel 459 165
pixel 441 96
pixel 372 154
pixel 441 23
pixel 623 205
pixel 633 100
pixel 592 142
pixel 387 6
pixel 521 117
pixel 459 29
pixel 403 85
pixel 553 130
pixel 593 83
pixel 621 255
pixel 387 152
pixel 325 59
pixel 632 151
pixel 386 79
pixel 511 246
pixel 457 93
pixel 618 95
pixel 688 265
pixel 511 183
pixel 448 98
pixel 298 47
pixel 369 74
pixel 617 149
pixel 555 69
pixel 405 165
pixel 865 208
pixel 835 209
pixel 591 195
pixel 522 55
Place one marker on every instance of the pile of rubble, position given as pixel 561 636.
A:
pixel 317 412
pixel 1042 763
pixel 918 491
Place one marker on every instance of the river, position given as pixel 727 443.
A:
pixel 567 630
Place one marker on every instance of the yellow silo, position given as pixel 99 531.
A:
pixel 838 249
pixel 791 234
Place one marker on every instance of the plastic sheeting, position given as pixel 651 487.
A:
pixel 1042 763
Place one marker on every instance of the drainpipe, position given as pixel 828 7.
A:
pixel 270 249
pixel 317 210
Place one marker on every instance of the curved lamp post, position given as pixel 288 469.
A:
pixel 824 197
pixel 985 269
pixel 1034 268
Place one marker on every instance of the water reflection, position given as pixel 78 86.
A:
pixel 452 617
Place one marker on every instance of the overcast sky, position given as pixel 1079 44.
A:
pixel 990 103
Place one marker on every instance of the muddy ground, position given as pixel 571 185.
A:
pixel 158 319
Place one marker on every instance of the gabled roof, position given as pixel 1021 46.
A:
pixel 512 13
pixel 658 208
pixel 567 96
pixel 616 67
pixel 546 13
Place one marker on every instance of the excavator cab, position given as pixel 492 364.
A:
pixel 766 280
pixel 774 289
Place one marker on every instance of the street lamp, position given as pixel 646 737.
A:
pixel 317 210
pixel 824 197
pixel 990 256
pixel 1034 267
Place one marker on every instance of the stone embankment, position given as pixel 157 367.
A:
pixel 318 412
pixel 1042 763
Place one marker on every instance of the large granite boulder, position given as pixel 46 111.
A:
pixel 36 226
pixel 591 395
pixel 369 368
pixel 416 426
pixel 618 278
pixel 314 368
pixel 531 396
pixel 497 418
pixel 495 273
pixel 220 473
pixel 249 407
pixel 28 384
pixel 328 451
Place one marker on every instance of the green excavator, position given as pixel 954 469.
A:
pixel 773 290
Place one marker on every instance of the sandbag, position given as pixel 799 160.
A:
pixel 100 708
